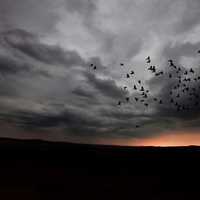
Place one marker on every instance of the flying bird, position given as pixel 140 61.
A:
pixel 148 59
pixel 142 89
pixel 127 99
pixel 192 71
pixel 186 72
pixel 136 99
pixel 171 63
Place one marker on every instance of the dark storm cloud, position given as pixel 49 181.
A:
pixel 74 121
pixel 47 81
pixel 29 45
pixel 106 87
pixel 84 93
pixel 9 66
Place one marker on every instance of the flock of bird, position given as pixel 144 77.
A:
pixel 184 83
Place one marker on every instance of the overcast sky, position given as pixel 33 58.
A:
pixel 48 91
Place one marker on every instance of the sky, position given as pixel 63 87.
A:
pixel 49 91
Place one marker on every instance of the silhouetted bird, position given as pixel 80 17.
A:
pixel 136 99
pixel 154 69
pixel 148 59
pixel 139 82
pixel 185 73
pixel 171 62
pixel 191 70
pixel 127 99
pixel 122 64
pixel 95 67
pixel 119 103
pixel 132 72
pixel 142 89
pixel 185 79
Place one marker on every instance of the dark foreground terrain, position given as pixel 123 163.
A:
pixel 43 170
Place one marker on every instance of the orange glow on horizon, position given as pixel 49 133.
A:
pixel 176 139
pixel 167 139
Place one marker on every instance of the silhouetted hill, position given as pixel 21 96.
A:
pixel 49 170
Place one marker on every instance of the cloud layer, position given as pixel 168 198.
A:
pixel 47 86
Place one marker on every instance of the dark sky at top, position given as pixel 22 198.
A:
pixel 47 89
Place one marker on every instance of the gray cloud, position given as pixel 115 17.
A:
pixel 37 17
pixel 47 48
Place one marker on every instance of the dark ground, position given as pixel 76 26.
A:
pixel 42 170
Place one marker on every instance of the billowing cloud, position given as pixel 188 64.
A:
pixel 47 83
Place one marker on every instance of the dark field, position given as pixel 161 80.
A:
pixel 43 170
